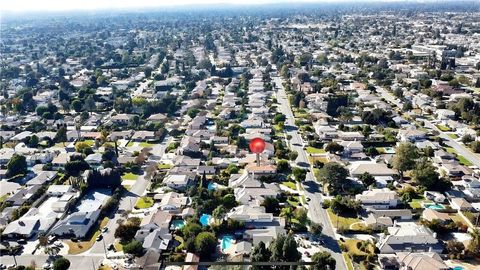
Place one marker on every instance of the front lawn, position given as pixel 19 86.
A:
pixel 452 135
pixel 351 246
pixel 464 161
pixel 129 176
pixel 348 261
pixel 341 222
pixel 313 150
pixel 290 185
pixel 164 166
pixel 443 128
pixel 417 203
pixel 144 202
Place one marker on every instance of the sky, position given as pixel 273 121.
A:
pixel 67 5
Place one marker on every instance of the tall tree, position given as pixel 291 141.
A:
pixel 260 253
pixel 323 261
pixel 425 173
pixel 334 175
pixel 16 165
pixel 405 156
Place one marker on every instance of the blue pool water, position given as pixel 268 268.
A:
pixel 434 206
pixel 205 219
pixel 227 241
pixel 178 224
pixel 458 267
pixel 211 186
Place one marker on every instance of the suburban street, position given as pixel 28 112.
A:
pixel 461 149
pixel 82 262
pixel 312 188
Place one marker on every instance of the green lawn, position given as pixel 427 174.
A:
pixel 452 135
pixel 164 166
pixel 290 185
pixel 129 176
pixel 464 161
pixel 351 245
pixel 144 202
pixel 88 142
pixel 313 150
pixel 443 128
pixel 3 198
pixel 341 222
pixel 146 144
pixel 450 150
pixel 417 202
pixel 294 201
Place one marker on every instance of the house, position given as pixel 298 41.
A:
pixel 434 196
pixel 430 215
pixel 157 118
pixel 207 170
pixel 42 178
pixel 394 214
pixel 351 147
pixel 421 261
pixel 144 136
pixel 177 181
pixel 173 202
pixel 265 235
pixel 375 169
pixel 240 248
pixel 408 236
pixel 411 135
pixel 79 223
pixel 444 114
pixel 60 160
pixel 24 195
pixel 351 136
pixel 59 190
pixel 455 169
pixel 94 159
pixel 33 222
pixel 378 222
pixel 248 213
pixel 121 119
pixel 461 204
pixel 378 198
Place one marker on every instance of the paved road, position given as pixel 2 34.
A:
pixel 312 187
pixel 76 262
pixel 460 148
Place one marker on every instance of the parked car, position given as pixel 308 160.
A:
pixel 99 237
pixel 105 229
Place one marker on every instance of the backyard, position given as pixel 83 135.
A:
pixel 144 202
pixel 82 246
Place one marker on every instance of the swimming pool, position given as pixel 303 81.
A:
pixel 212 186
pixel 434 206
pixel 177 224
pixel 205 219
pixel 227 241
pixel 458 267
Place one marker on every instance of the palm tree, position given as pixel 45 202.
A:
pixel 287 213
pixel 474 245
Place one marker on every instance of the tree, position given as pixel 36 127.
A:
pixel 334 148
pixel 76 165
pixel 190 229
pixel 219 212
pixel 335 175
pixel 205 244
pixel 300 214
pixel 293 155
pixel 126 231
pixel 260 253
pixel 475 146
pixel 323 261
pixel 287 213
pixel 316 229
pixel 290 250
pixel 299 174
pixel 367 179
pixel 134 247
pixel 276 248
pixel 283 166
pixel 405 156
pixel 271 204
pixel 455 249
pixel 474 244
pixel 61 264
pixel 16 165
pixel 425 174
pixel 84 148
pixel 77 105
pixel 61 135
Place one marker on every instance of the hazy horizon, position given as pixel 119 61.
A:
pixel 88 5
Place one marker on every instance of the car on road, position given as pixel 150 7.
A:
pixel 99 237
pixel 111 247
pixel 104 229
pixel 308 199
pixel 308 254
